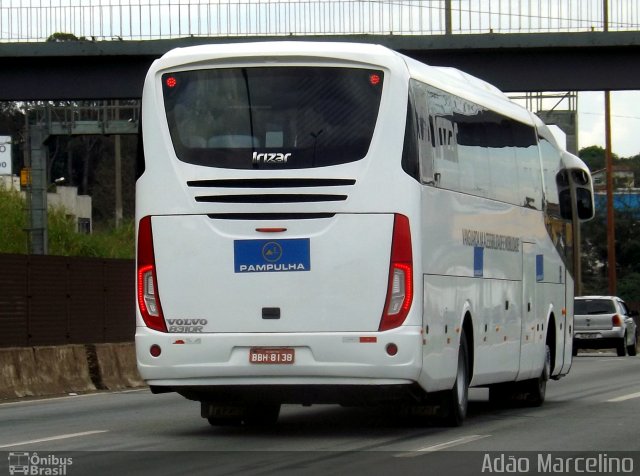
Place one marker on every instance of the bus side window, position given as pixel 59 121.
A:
pixel 473 154
pixel 528 167
pixel 502 160
pixel 443 134
pixel 410 159
pixel 551 165
pixel 418 97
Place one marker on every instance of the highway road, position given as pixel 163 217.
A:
pixel 593 413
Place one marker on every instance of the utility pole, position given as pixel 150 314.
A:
pixel 118 169
pixel 611 229
pixel 38 189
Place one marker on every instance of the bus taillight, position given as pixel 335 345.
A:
pixel 147 281
pixel 400 287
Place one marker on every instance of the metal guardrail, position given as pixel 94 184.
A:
pixel 37 20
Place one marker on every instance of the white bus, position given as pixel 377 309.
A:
pixel 338 223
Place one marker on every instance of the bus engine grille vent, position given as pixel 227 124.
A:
pixel 271 198
pixel 271 183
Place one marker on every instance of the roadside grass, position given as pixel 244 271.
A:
pixel 64 240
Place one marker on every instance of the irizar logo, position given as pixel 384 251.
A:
pixel 270 158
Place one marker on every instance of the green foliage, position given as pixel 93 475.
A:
pixel 593 156
pixel 64 240
pixel 627 248
pixel 59 37
pixel 629 287
pixel 13 238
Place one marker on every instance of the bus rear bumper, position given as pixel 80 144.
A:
pixel 323 364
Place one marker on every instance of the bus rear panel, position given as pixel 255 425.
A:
pixel 270 263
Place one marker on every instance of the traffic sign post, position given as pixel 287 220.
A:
pixel 5 155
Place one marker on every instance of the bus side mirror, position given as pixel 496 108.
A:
pixel 584 197
pixel 584 205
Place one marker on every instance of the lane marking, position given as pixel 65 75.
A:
pixel 625 397
pixel 67 397
pixel 441 446
pixel 54 438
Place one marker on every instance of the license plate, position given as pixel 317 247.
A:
pixel 262 355
pixel 587 336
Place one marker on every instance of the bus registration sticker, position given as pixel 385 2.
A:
pixel 268 256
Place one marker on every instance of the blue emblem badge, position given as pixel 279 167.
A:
pixel 268 256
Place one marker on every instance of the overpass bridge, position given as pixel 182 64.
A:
pixel 529 45
pixel 580 61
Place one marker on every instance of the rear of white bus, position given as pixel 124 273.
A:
pixel 277 228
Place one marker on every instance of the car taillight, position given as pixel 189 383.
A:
pixel 147 281
pixel 400 286
pixel 616 320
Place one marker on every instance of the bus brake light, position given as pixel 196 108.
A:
pixel 400 287
pixel 147 281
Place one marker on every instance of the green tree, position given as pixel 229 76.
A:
pixel 60 37
pixel 594 157
pixel 595 256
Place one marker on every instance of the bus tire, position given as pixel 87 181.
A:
pixel 536 389
pixel 456 400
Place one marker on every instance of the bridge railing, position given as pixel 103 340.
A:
pixel 38 20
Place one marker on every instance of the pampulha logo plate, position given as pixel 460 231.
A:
pixel 260 256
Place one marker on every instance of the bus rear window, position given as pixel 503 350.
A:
pixel 272 117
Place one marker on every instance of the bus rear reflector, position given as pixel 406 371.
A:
pixel 147 281
pixel 400 287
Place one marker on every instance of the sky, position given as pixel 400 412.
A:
pixel 625 121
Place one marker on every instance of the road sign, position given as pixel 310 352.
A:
pixel 5 155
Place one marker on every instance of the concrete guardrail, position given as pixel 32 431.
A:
pixel 59 370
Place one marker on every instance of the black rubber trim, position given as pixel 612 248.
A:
pixel 271 183
pixel 271 198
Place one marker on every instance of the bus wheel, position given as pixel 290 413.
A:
pixel 456 400
pixel 536 389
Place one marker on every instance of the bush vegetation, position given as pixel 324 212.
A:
pixel 64 240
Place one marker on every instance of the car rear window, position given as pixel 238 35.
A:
pixel 594 306
pixel 272 117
